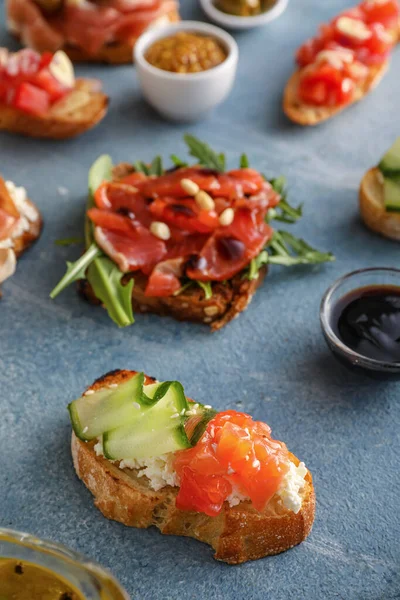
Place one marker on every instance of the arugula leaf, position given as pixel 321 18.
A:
pixel 177 161
pixel 141 167
pixel 206 287
pixel 204 154
pixel 244 162
pixel 283 212
pixel 77 270
pixel 105 279
pixel 287 250
pixel 68 241
pixel 279 184
pixel 256 264
pixel 156 167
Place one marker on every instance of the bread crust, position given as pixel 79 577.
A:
pixel 116 53
pixel 79 111
pixel 307 114
pixel 237 534
pixel 227 302
pixel 372 206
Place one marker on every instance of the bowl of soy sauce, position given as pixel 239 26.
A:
pixel 360 320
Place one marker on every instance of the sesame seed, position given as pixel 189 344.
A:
pixel 175 416
pixel 207 406
pixel 226 217
pixel 113 385
pixel 190 187
pixel 88 393
pixel 255 463
pixel 136 405
pixel 86 429
pixel 204 201
pixel 160 230
pixel 211 311
pixel 196 406
pixel 182 412
pixel 247 457
pixel 190 412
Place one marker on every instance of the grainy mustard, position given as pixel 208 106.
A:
pixel 186 52
pixel 244 8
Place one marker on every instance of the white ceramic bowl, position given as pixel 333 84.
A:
pixel 234 22
pixel 186 96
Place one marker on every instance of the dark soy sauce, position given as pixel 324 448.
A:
pixel 367 320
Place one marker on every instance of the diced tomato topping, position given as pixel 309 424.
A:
pixel 381 11
pixel 197 246
pixel 26 82
pixel 31 99
pixel 234 453
pixel 369 30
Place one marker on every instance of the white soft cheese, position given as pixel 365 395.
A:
pixel 292 484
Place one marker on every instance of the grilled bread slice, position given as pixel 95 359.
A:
pixel 237 534
pixel 80 110
pixel 21 242
pixel 228 299
pixel 307 114
pixel 372 206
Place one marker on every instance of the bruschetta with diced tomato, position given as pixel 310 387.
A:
pixel 152 457
pixel 40 96
pixel 20 226
pixel 344 62
pixel 193 241
pixel 87 30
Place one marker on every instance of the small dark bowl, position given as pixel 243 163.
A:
pixel 352 281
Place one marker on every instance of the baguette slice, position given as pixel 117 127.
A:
pixel 74 114
pixel 228 299
pixel 307 114
pixel 237 534
pixel 372 206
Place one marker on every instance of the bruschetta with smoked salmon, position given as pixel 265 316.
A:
pixel 87 30
pixel 40 97
pixel 193 242
pixel 343 63
pixel 150 456
pixel 20 226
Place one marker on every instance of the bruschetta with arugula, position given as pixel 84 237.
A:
pixel 20 226
pixel 40 96
pixel 87 30
pixel 380 195
pixel 193 242
pixel 150 456
pixel 343 63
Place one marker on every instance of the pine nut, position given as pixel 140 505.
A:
pixel 160 230
pixel 204 201
pixel 190 187
pixel 226 217
pixel 211 311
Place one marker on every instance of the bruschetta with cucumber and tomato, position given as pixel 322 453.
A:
pixel 380 195
pixel 40 96
pixel 20 226
pixel 151 456
pixel 192 241
pixel 343 63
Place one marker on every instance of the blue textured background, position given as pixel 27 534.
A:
pixel 272 361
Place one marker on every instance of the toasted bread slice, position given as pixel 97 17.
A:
pixel 372 206
pixel 228 299
pixel 307 114
pixel 237 534
pixel 74 114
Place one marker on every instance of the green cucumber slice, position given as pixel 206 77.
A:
pixel 158 430
pixel 391 189
pixel 108 408
pixel 196 424
pixel 390 163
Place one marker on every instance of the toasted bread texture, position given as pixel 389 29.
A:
pixel 237 534
pixel 228 299
pixel 74 114
pixel 27 238
pixel 372 206
pixel 307 114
